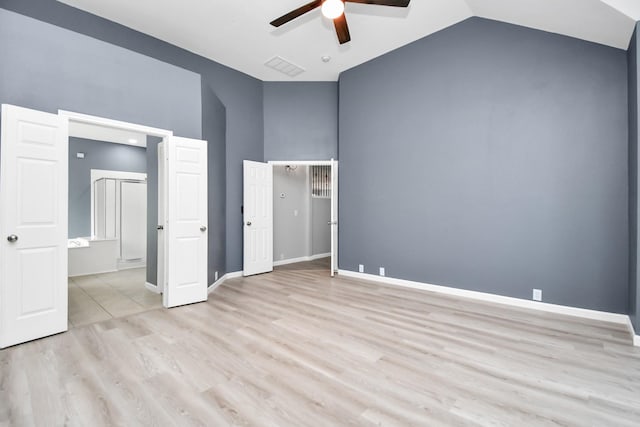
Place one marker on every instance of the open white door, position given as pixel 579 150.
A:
pixel 162 184
pixel 258 218
pixel 33 225
pixel 334 217
pixel 185 227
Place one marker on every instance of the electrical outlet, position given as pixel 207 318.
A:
pixel 361 268
pixel 537 294
pixel 382 271
pixel 215 276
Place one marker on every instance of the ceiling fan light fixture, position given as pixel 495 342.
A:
pixel 332 9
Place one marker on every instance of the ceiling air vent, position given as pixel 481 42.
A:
pixel 284 66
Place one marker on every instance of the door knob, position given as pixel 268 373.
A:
pixel 203 228
pixel 13 238
pixel 160 227
pixel 249 223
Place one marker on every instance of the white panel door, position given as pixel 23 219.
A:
pixel 334 217
pixel 33 225
pixel 185 222
pixel 258 218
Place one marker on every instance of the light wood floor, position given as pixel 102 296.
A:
pixel 296 348
pixel 99 297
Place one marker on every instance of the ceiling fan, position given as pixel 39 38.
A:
pixel 334 9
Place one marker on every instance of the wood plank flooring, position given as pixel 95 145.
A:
pixel 297 348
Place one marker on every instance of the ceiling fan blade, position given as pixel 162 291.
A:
pixel 396 3
pixel 342 29
pixel 295 13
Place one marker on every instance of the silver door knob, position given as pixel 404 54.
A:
pixel 203 228
pixel 249 223
pixel 13 238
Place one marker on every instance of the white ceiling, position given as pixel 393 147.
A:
pixel 237 33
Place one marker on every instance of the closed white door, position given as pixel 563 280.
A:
pixel 334 217
pixel 33 225
pixel 258 218
pixel 185 221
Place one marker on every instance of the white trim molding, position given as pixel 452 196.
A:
pixel 151 287
pixel 636 338
pixel 102 121
pixel 621 319
pixel 301 259
pixel 212 287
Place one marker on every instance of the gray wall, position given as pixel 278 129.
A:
pixel 214 119
pixel 291 232
pixel 320 231
pixel 300 121
pixel 152 208
pixel 633 57
pixel 170 103
pixel 490 157
pixel 98 155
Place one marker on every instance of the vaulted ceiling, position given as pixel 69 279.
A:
pixel 237 33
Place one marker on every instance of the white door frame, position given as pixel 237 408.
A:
pixel 308 163
pixel 132 127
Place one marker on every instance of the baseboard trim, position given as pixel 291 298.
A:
pixel 212 287
pixel 300 259
pixel 151 287
pixel 584 313
pixel 93 272
pixel 635 338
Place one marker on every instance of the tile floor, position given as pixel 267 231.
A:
pixel 99 297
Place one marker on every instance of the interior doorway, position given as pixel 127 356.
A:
pixel 301 215
pixel 34 179
pixel 111 215
pixel 278 214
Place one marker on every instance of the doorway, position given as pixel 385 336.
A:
pixel 34 218
pixel 278 207
pixel 301 216
pixel 109 212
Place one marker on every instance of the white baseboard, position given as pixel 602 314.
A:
pixel 91 273
pixel 584 313
pixel 636 338
pixel 128 265
pixel 224 278
pixel 153 288
pixel 291 261
pixel 301 259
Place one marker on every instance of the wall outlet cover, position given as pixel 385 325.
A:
pixel 80 155
pixel 382 271
pixel 360 268
pixel 215 276
pixel 537 294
